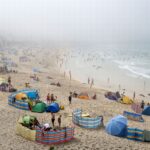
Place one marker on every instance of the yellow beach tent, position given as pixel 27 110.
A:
pixel 126 100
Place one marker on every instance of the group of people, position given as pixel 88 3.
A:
pixel 50 98
pixel 53 120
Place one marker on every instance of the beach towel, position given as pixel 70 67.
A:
pixel 146 136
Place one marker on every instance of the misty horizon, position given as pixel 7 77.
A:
pixel 76 22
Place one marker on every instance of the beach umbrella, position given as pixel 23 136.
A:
pixel 117 126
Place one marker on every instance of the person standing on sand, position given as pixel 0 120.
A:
pixel 70 98
pixel 92 83
pixel 52 98
pixel 88 80
pixel 59 121
pixel 9 80
pixel 48 98
pixel 53 120
pixel 142 104
pixel 70 74
pixel 134 95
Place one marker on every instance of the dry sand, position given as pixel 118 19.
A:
pixel 85 139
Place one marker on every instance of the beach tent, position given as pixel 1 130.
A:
pixel 21 96
pixel 31 93
pixel 27 120
pixel 112 96
pixel 39 107
pixel 83 96
pixel 133 116
pixel 146 111
pixel 126 100
pixel 53 107
pixel 117 126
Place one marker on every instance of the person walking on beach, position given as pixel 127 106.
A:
pixel 142 104
pixel 53 120
pixel 134 95
pixel 88 80
pixel 70 74
pixel 59 121
pixel 92 83
pixel 70 98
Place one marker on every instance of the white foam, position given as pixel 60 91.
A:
pixel 136 71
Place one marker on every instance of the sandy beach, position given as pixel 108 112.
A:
pixel 84 138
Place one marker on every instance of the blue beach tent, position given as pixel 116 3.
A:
pixel 53 108
pixel 146 111
pixel 117 126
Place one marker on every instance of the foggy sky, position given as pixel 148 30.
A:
pixel 97 21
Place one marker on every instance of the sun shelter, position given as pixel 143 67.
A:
pixel 126 100
pixel 133 116
pixel 31 93
pixel 21 96
pixel 112 95
pixel 85 122
pixel 135 134
pixel 53 108
pixel 146 111
pixel 39 135
pixel 21 100
pixel 39 107
pixel 117 126
pixel 84 96
pixel 24 131
pixel 54 137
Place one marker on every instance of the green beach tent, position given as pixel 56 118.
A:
pixel 27 120
pixel 39 107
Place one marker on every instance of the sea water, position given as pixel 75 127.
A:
pixel 111 68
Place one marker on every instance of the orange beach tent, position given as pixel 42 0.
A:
pixel 21 96
pixel 83 96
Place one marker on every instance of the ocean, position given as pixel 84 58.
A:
pixel 110 68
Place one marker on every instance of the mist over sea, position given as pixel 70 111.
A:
pixel 110 67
